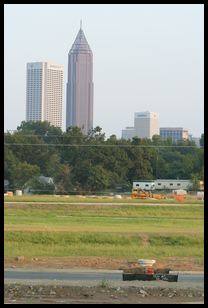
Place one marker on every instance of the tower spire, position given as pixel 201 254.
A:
pixel 80 24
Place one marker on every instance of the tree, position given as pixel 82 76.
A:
pixel 140 164
pixel 10 163
pixel 98 179
pixel 96 134
pixel 202 140
pixel 62 179
pixel 195 181
pixel 24 172
pixel 89 162
pixel 112 139
pixel 36 186
pixel 43 128
pixel 156 140
pixel 74 135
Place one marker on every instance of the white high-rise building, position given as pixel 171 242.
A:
pixel 146 125
pixel 44 95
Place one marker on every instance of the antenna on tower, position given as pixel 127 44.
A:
pixel 81 24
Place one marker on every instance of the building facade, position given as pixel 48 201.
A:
pixel 146 125
pixel 175 133
pixel 128 133
pixel 79 100
pixel 44 96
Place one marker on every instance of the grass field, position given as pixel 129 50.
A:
pixel 84 199
pixel 111 230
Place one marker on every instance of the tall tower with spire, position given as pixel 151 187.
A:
pixel 79 101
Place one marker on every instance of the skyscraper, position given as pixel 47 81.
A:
pixel 79 101
pixel 44 95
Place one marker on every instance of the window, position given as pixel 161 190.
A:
pixel 159 184
pixel 178 184
pixel 171 184
pixel 147 185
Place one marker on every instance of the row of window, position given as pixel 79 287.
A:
pixel 159 184
pixel 170 184
pixel 172 133
pixel 34 112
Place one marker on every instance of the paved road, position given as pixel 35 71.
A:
pixel 115 276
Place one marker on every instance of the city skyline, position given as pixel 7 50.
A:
pixel 147 57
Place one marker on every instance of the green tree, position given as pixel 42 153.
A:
pixel 24 172
pixel 89 162
pixel 98 179
pixel 202 140
pixel 41 128
pixel 10 163
pixel 96 134
pixel 156 140
pixel 63 180
pixel 36 186
pixel 195 181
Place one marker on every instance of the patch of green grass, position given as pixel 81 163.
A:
pixel 65 238
pixel 77 199
pixel 50 211
pixel 133 252
pixel 104 283
pixel 115 218
pixel 188 241
pixel 107 245
pixel 99 223
pixel 103 230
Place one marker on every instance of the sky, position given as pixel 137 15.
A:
pixel 146 57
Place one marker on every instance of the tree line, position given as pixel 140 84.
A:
pixel 93 163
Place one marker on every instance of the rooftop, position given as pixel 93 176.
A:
pixel 80 44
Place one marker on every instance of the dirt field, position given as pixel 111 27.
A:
pixel 184 264
pixel 100 294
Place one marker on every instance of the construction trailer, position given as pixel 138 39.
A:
pixel 162 184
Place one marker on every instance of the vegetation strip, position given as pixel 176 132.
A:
pixel 120 231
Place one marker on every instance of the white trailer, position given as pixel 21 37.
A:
pixel 145 185
pixel 163 184
pixel 172 184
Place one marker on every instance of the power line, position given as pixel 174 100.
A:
pixel 44 135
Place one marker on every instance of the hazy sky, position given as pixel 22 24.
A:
pixel 145 58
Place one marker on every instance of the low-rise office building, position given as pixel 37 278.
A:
pixel 175 133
